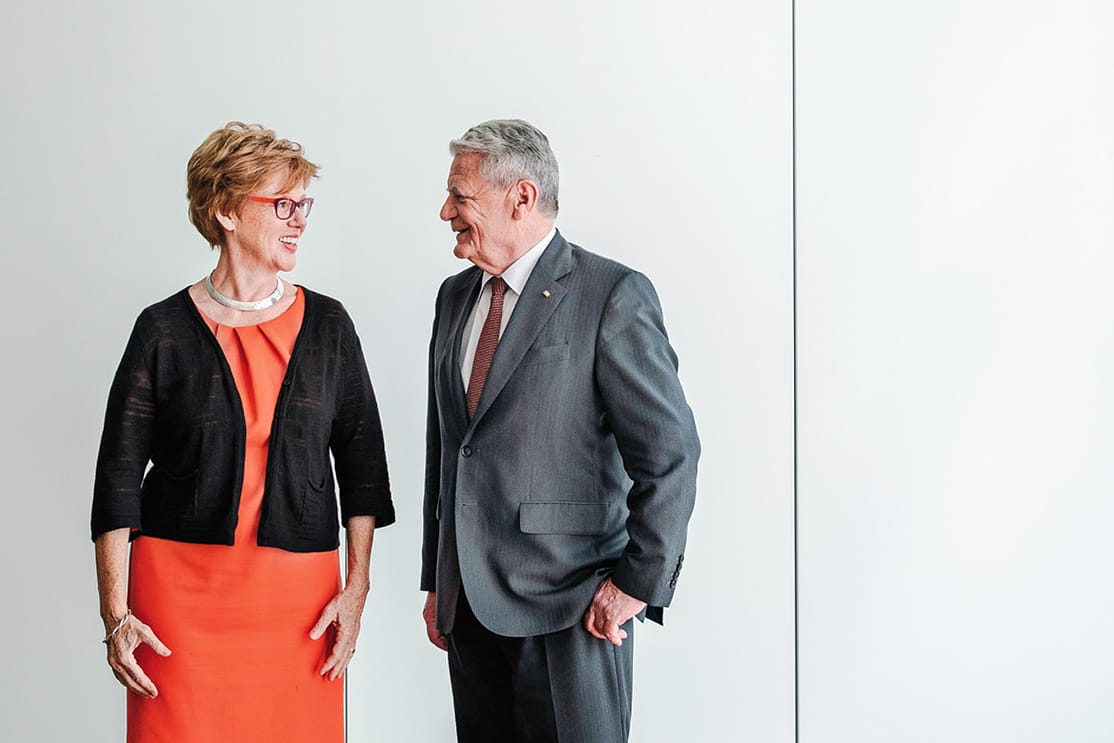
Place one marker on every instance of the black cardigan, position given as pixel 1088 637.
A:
pixel 174 403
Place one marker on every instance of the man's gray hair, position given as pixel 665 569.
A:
pixel 513 149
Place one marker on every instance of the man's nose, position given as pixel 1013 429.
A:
pixel 447 210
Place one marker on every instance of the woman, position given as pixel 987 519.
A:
pixel 230 622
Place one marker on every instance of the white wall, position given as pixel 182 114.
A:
pixel 672 129
pixel 956 350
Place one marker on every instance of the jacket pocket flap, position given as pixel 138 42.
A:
pixel 563 518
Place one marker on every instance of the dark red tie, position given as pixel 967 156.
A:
pixel 485 349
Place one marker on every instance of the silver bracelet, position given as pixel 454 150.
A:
pixel 118 627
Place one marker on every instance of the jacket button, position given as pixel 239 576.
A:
pixel 466 451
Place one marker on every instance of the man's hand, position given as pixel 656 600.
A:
pixel 610 609
pixel 429 614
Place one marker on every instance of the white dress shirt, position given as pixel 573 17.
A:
pixel 516 276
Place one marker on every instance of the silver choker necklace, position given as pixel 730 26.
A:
pixel 235 304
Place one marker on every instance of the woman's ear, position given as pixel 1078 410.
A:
pixel 228 221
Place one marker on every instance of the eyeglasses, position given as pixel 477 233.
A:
pixel 284 208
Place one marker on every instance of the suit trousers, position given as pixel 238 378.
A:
pixel 561 687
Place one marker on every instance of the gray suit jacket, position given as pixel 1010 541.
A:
pixel 580 461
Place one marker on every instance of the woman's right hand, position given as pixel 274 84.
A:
pixel 121 656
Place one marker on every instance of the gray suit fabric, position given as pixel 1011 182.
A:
pixel 580 461
pixel 552 688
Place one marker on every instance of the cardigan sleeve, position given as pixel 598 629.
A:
pixel 125 440
pixel 356 439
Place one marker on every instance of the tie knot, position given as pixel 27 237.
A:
pixel 498 286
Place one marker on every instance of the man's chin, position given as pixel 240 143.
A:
pixel 464 251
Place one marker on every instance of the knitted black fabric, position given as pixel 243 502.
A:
pixel 174 404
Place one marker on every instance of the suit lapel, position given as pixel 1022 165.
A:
pixel 460 307
pixel 540 298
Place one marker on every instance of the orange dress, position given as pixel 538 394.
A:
pixel 237 619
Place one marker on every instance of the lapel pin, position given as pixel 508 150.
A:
pixel 545 293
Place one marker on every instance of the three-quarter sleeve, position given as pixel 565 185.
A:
pixel 356 440
pixel 125 440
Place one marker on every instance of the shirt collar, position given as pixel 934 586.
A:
pixel 518 273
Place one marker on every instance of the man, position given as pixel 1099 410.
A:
pixel 561 458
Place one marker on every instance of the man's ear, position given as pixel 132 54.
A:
pixel 524 198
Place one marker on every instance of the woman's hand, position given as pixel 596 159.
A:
pixel 346 608
pixel 121 656
pixel 111 549
pixel 344 613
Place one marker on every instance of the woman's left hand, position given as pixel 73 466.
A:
pixel 344 613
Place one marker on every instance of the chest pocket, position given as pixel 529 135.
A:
pixel 546 354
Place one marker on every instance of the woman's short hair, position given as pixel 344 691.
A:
pixel 513 149
pixel 230 165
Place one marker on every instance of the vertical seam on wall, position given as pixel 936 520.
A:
pixel 793 163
